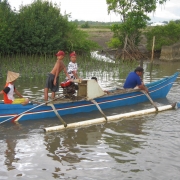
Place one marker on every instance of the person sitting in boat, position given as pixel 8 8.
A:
pixel 72 70
pixel 9 90
pixel 72 67
pixel 69 87
pixel 134 81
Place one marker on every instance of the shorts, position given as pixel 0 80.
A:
pixel 19 101
pixel 49 83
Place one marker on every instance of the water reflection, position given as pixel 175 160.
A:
pixel 96 145
pixel 145 147
pixel 8 149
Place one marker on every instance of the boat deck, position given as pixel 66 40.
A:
pixel 64 98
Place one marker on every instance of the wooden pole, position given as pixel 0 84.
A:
pixel 148 96
pixel 22 114
pixel 152 55
pixel 110 118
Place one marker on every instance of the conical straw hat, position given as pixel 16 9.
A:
pixel 11 76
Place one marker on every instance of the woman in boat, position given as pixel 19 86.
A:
pixel 134 81
pixel 9 90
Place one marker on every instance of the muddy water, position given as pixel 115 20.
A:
pixel 145 147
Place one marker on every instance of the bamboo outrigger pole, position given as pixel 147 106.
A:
pixel 110 118
pixel 152 55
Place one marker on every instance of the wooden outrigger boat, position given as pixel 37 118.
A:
pixel 89 97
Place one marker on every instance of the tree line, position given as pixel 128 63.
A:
pixel 134 18
pixel 39 28
pixel 164 35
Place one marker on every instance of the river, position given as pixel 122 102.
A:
pixel 139 148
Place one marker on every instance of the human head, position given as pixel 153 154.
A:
pixel 139 71
pixel 11 76
pixel 73 57
pixel 95 78
pixel 60 54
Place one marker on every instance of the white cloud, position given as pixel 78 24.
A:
pixel 96 10
pixel 167 11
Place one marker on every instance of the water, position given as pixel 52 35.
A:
pixel 144 147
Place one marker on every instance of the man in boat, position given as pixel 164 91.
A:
pixel 9 90
pixel 134 81
pixel 52 81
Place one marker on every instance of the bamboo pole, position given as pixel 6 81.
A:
pixel 110 118
pixel 152 55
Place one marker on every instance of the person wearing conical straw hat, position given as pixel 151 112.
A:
pixel 9 90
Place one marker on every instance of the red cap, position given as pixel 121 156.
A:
pixel 72 54
pixel 60 53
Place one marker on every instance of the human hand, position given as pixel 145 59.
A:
pixel 54 82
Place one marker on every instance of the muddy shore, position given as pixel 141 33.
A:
pixel 103 36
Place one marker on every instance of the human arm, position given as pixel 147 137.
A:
pixel 57 71
pixel 1 92
pixel 143 87
pixel 18 93
pixel 66 73
pixel 75 74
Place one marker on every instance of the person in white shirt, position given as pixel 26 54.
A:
pixel 73 67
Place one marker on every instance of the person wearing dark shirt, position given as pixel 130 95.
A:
pixel 134 81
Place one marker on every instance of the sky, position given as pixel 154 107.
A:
pixel 96 10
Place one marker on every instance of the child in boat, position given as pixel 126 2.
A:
pixel 72 67
pixel 9 90
pixel 52 81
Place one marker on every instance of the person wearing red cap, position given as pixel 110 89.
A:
pixel 52 81
pixel 72 66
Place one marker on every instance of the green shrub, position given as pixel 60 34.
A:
pixel 164 35
pixel 39 28
pixel 85 25
pixel 114 43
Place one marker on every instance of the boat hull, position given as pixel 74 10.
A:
pixel 157 89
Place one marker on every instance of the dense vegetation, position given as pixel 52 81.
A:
pixel 164 35
pixel 39 28
pixel 134 17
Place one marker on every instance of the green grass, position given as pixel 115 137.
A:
pixel 35 66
